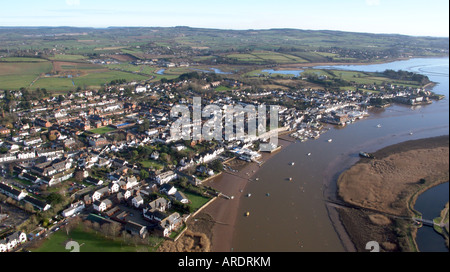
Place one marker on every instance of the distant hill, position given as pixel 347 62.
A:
pixel 221 40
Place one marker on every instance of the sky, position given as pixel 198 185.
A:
pixel 408 17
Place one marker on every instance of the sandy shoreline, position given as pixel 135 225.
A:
pixel 224 211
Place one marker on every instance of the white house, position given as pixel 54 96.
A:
pixel 12 241
pixel 155 155
pixel 26 155
pixel 8 157
pixel 170 223
pixel 74 208
pixel 11 192
pixel 140 89
pixel 178 147
pixel 127 194
pixel 32 141
pixel 100 193
pixel 131 182
pixel 137 201
pixel 114 188
pixel 38 204
pixel 168 189
pixel 160 204
pixel 166 177
pixel 103 205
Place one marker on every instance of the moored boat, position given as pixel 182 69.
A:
pixel 366 155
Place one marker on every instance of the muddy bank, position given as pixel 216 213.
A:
pixel 384 189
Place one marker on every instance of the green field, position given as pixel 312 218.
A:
pixel 96 80
pixel 258 57
pixel 312 56
pixel 15 75
pixel 197 201
pixel 22 59
pixel 24 68
pixel 102 130
pixel 222 89
pixel 278 57
pixel 54 84
pixel 13 82
pixel 90 241
pixel 246 58
pixel 151 164
pixel 361 77
pixel 62 57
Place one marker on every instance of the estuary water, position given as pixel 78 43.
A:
pixel 291 216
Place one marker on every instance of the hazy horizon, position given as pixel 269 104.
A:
pixel 398 17
pixel 224 29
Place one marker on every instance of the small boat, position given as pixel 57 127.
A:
pixel 379 125
pixel 366 155
pixel 292 163
pixel 256 179
pixel 267 194
pixel 330 140
pixel 290 179
pixel 309 154
pixel 247 214
pixel 249 195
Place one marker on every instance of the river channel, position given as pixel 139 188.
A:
pixel 291 216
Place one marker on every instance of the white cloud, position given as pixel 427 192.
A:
pixel 73 2
pixel 373 2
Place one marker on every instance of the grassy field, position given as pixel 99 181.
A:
pixel 13 82
pixel 222 89
pixel 54 84
pixel 197 201
pixel 98 79
pixel 90 241
pixel 257 73
pixel 67 57
pixel 278 57
pixel 93 79
pixel 259 57
pixel 15 75
pixel 151 164
pixel 102 130
pixel 24 68
pixel 246 58
pixel 22 59
pixel 361 77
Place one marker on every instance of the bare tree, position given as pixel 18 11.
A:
pixel 115 229
pixel 87 225
pixel 72 224
pixel 96 226
pixel 105 230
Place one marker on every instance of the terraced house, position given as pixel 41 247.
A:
pixel 12 241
